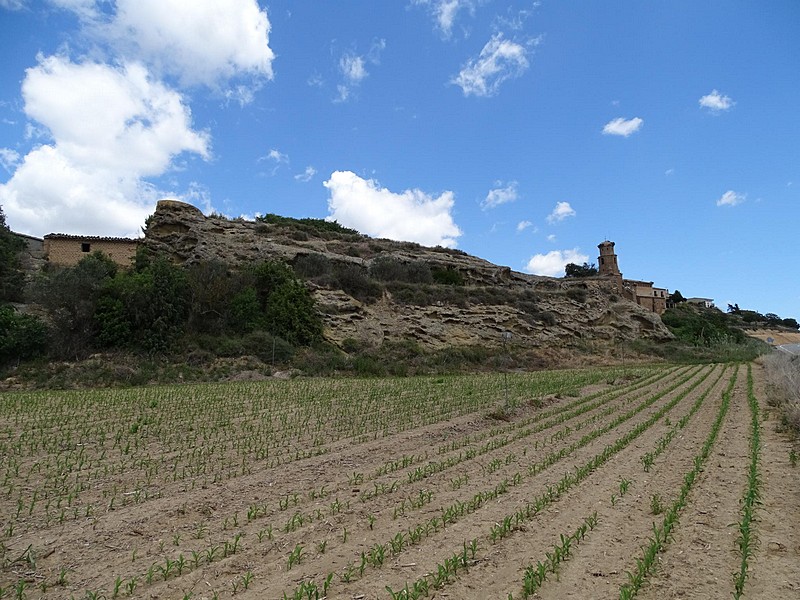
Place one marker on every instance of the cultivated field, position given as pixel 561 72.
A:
pixel 650 482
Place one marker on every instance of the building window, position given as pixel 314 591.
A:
pixel 86 247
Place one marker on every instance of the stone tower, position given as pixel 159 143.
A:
pixel 607 262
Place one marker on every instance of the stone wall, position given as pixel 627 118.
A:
pixel 68 250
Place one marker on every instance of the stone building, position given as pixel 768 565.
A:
pixel 67 250
pixel 642 292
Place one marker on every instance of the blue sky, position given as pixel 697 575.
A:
pixel 522 132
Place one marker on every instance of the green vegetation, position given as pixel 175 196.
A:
pixel 702 335
pixel 21 336
pixel 307 225
pixel 752 317
pixel 11 275
pixel 584 270
pixel 157 308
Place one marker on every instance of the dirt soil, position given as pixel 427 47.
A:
pixel 377 513
pixel 779 336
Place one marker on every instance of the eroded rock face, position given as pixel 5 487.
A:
pixel 565 312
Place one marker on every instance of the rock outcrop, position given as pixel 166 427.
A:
pixel 490 300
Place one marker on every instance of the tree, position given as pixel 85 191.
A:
pixel 584 270
pixel 21 336
pixel 790 322
pixel 70 296
pixel 676 298
pixel 144 309
pixel 11 276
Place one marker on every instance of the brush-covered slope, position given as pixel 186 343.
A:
pixel 370 291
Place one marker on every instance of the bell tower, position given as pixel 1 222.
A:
pixel 607 261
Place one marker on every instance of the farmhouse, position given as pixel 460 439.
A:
pixel 704 302
pixel 67 250
pixel 643 293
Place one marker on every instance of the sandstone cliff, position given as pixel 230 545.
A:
pixel 540 312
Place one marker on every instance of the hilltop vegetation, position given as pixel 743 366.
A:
pixel 210 297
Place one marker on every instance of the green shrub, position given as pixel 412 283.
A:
pixel 447 276
pixel 21 336
pixel 311 265
pixel 577 294
pixel 387 268
pixel 353 280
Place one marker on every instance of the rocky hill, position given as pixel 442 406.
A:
pixel 371 291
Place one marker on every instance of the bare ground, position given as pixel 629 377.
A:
pixel 343 509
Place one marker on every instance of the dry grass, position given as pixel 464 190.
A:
pixel 783 385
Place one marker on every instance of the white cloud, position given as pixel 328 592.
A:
pixel 669 172
pixel 445 12
pixel 204 42
pixel 353 68
pixel 731 198
pixel 411 215
pixel 306 175
pixel 716 102
pixel 523 225
pixel 500 195
pixel 551 238
pixel 552 264
pixel 277 156
pixel 622 127
pixel 561 211
pixel 499 60
pixel 12 4
pixel 110 127
pixel 9 159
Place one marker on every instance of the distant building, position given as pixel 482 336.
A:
pixel 642 292
pixel 704 302
pixel 67 250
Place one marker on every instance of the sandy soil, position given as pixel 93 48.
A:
pixel 779 336
pixel 387 509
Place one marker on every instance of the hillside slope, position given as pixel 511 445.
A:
pixel 373 291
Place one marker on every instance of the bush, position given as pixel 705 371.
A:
pixel 11 275
pixel 21 336
pixel 70 296
pixel 311 265
pixel 577 294
pixel 353 280
pixel 701 327
pixel 308 225
pixel 447 277
pixel 386 268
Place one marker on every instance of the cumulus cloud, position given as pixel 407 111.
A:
pixel 498 61
pixel 716 102
pixel 105 127
pixel 623 127
pixel 411 215
pixel 561 211
pixel 523 225
pixel 731 198
pixel 552 264
pixel 205 42
pixel 306 175
pixel 500 195
pixel 551 237
pixel 109 127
